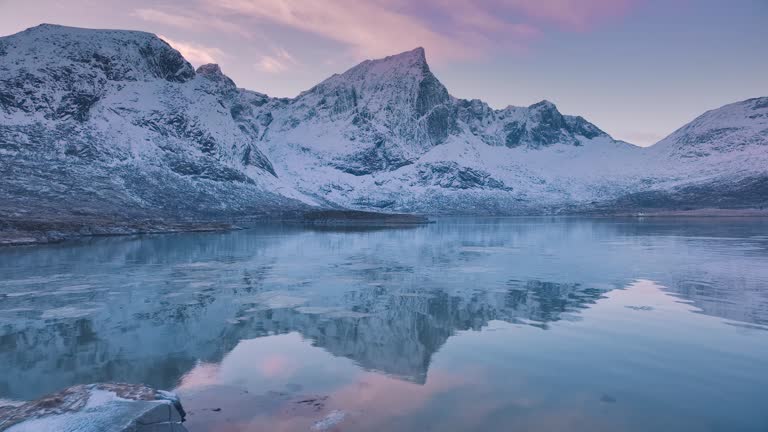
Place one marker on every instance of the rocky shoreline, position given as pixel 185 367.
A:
pixel 361 218
pixel 32 232
pixel 20 232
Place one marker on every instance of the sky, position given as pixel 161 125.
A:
pixel 638 69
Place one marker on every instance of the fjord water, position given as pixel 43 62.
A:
pixel 482 324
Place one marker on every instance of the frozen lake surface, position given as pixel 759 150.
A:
pixel 481 324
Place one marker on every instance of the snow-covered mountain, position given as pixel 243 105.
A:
pixel 737 127
pixel 719 160
pixel 118 123
pixel 386 135
pixel 99 122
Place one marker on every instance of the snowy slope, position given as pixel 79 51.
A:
pixel 720 159
pixel 732 140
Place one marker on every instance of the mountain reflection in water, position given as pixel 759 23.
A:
pixel 479 296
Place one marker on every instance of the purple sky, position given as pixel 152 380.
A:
pixel 636 68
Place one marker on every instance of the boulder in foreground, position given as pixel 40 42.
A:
pixel 97 408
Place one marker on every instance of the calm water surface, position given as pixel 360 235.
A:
pixel 466 324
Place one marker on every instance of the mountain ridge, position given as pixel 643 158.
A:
pixel 120 120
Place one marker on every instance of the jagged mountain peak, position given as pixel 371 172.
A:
pixel 212 72
pixel 398 92
pixel 377 116
pixel 544 105
pixel 546 112
pixel 534 127
pixel 405 68
pixel 210 69
pixel 416 56
pixel 413 61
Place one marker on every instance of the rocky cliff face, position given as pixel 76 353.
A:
pixel 537 126
pixel 379 116
pixel 119 121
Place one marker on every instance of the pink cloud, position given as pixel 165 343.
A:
pixel 450 30
pixel 191 20
pixel 393 397
pixel 195 53
pixel 276 365
pixel 204 374
pixel 278 62
pixel 369 28
pixel 570 14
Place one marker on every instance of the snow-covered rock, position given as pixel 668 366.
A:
pixel 97 408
